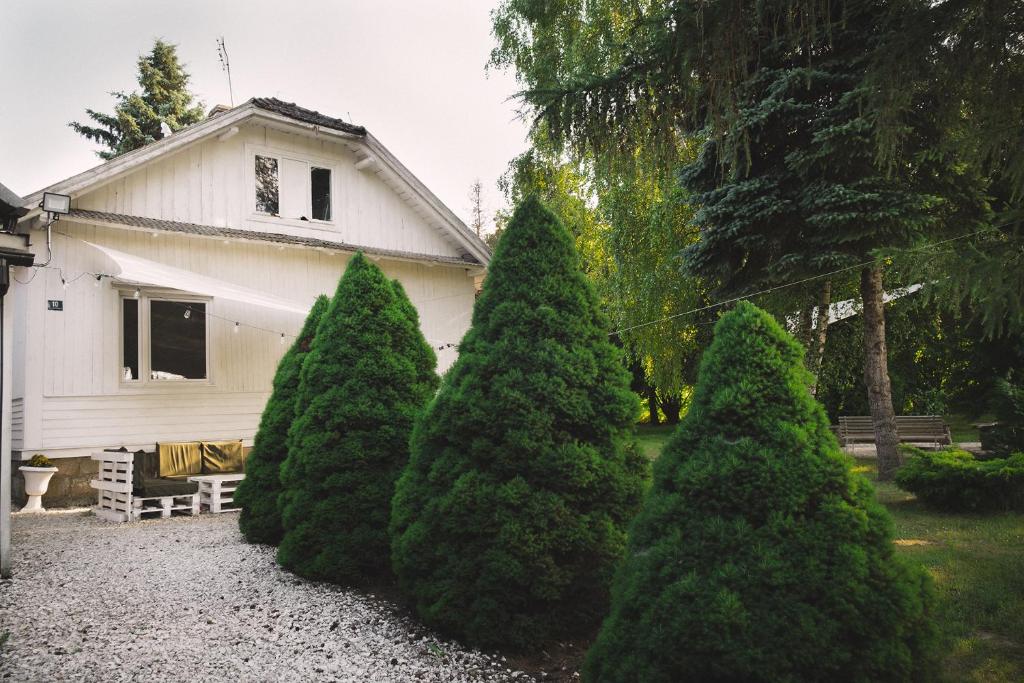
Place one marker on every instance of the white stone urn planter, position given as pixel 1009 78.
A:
pixel 37 479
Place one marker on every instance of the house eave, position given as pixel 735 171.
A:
pixel 151 225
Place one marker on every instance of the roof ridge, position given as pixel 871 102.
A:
pixel 292 110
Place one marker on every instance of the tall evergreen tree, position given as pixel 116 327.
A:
pixel 165 98
pixel 810 197
pixel 780 91
pixel 758 555
pixel 368 373
pixel 257 494
pixel 511 513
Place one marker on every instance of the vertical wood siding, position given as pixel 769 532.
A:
pixel 84 403
pixel 67 385
pixel 211 183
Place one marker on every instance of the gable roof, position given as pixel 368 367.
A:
pixel 10 203
pixel 370 151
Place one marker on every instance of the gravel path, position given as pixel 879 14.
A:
pixel 184 599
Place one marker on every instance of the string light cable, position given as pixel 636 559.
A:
pixel 805 280
pixel 67 280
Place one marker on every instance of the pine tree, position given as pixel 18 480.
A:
pixel 257 494
pixel 758 555
pixel 165 98
pixel 368 373
pixel 523 474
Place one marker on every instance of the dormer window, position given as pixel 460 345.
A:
pixel 267 198
pixel 320 186
pixel 292 188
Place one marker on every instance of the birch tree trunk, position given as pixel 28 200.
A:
pixel 876 373
pixel 817 349
pixel 805 328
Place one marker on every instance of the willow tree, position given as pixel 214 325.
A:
pixel 630 221
pixel 138 116
pixel 789 182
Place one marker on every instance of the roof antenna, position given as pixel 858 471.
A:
pixel 225 63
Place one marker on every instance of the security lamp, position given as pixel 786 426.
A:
pixel 54 203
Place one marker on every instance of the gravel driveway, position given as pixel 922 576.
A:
pixel 184 599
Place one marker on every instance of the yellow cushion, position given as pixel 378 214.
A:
pixel 180 458
pixel 223 457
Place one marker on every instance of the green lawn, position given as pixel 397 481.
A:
pixel 977 562
pixel 651 439
pixel 963 428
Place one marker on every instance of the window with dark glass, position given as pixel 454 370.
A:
pixel 177 340
pixel 129 339
pixel 320 184
pixel 267 195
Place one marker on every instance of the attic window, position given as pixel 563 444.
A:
pixel 267 198
pixel 320 183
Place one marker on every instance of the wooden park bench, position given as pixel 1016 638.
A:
pixel 177 477
pixel 924 430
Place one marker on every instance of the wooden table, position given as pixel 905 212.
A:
pixel 217 490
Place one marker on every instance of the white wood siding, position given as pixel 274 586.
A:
pixel 212 183
pixel 17 423
pixel 71 359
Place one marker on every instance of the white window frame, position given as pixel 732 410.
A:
pixel 251 152
pixel 145 348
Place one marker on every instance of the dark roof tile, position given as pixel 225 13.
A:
pixel 294 111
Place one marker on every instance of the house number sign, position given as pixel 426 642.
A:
pixel 55 304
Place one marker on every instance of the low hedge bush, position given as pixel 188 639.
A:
pixel 955 481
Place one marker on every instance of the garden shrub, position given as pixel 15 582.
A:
pixel 368 373
pixel 39 460
pixel 1007 435
pixel 257 494
pixel 758 555
pixel 523 474
pixel 954 481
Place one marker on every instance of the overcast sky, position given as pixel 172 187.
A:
pixel 411 71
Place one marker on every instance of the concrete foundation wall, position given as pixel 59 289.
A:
pixel 69 487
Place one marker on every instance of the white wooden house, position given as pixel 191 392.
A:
pixel 182 264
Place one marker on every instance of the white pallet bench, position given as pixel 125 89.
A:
pixel 116 503
pixel 165 505
pixel 113 483
pixel 217 491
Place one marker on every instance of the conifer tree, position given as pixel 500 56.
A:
pixel 257 494
pixel 758 555
pixel 165 98
pixel 523 473
pixel 368 373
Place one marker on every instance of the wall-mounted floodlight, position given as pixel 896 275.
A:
pixel 56 204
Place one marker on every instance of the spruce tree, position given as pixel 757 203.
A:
pixel 368 373
pixel 257 494
pixel 165 98
pixel 511 514
pixel 758 555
